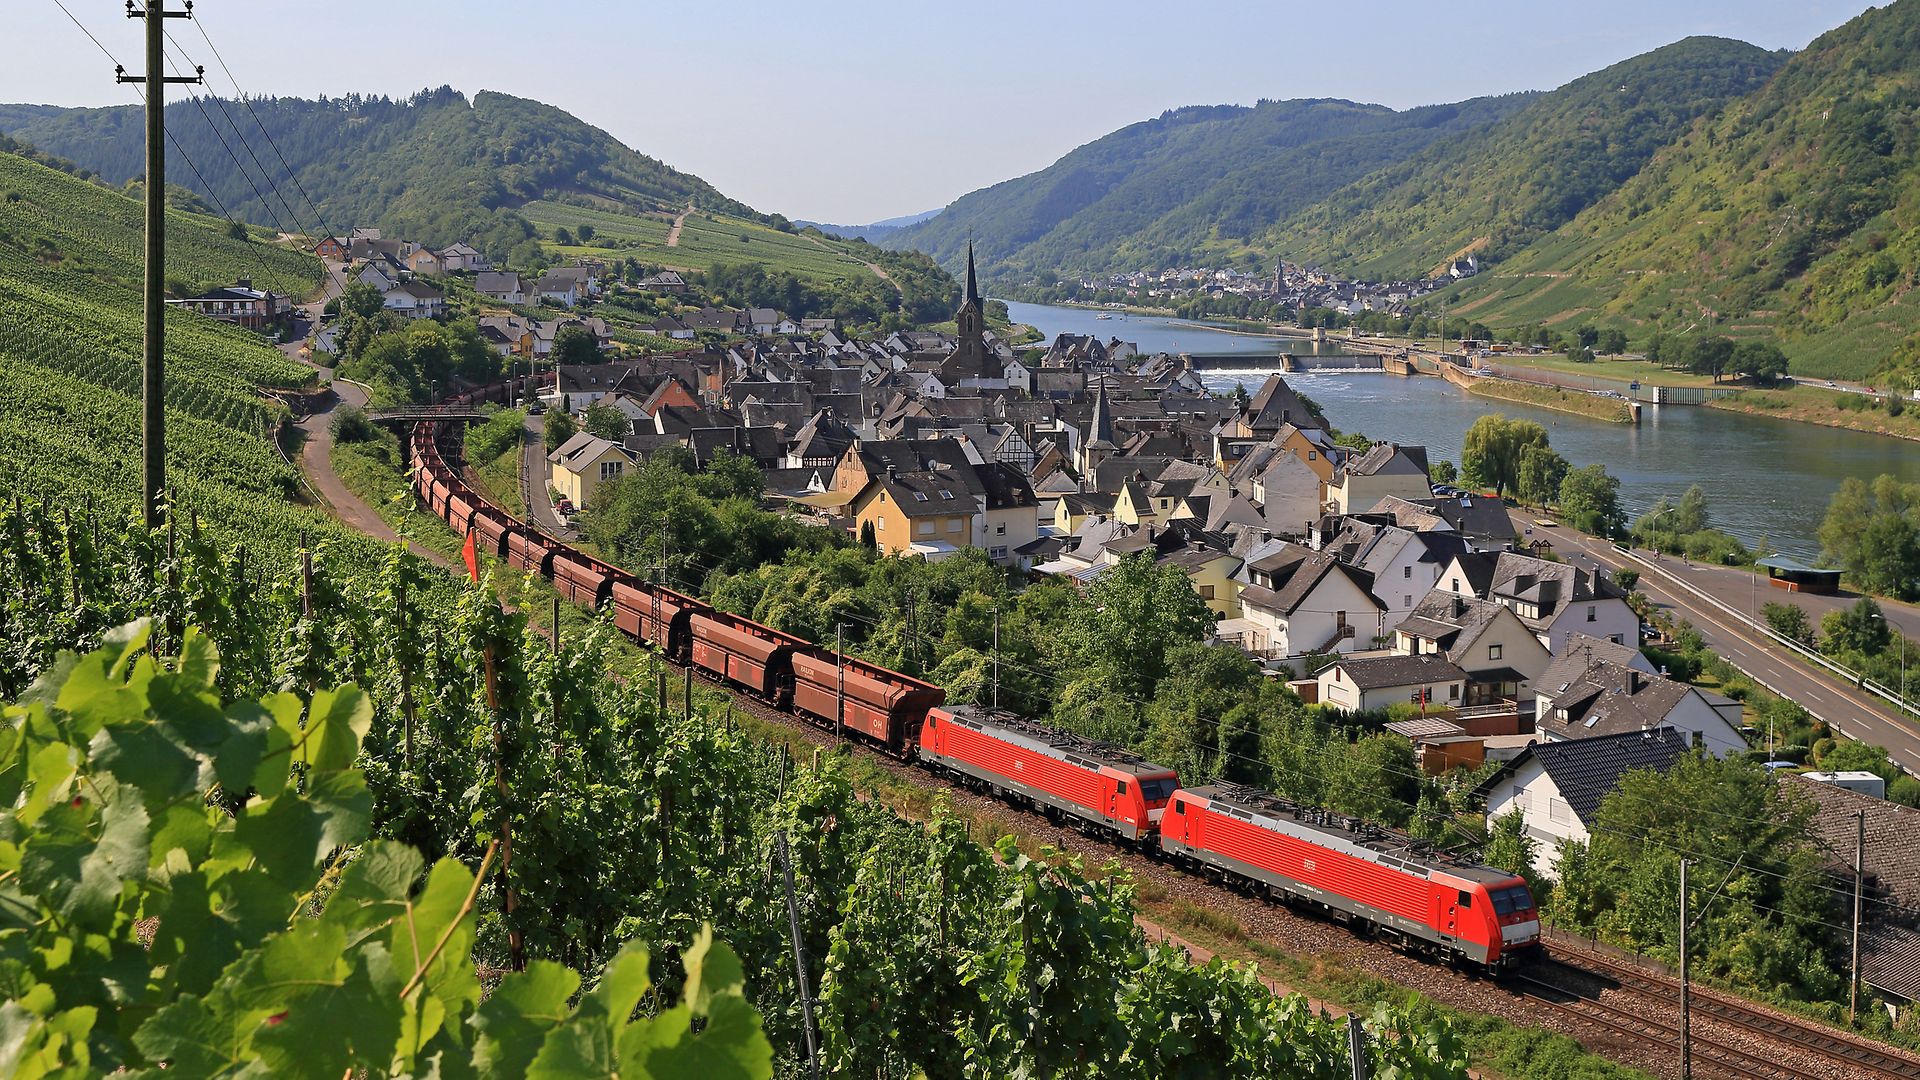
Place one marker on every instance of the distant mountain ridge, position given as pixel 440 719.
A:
pixel 434 165
pixel 1202 181
pixel 872 231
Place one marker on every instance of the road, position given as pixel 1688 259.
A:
pixel 533 480
pixel 316 449
pixel 1850 711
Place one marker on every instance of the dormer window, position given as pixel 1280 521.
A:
pixel 945 494
pixel 919 496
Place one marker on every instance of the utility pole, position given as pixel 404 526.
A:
pixel 153 420
pixel 840 680
pixel 1686 1018
pixel 1859 873
pixel 996 658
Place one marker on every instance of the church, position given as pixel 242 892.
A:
pixel 973 358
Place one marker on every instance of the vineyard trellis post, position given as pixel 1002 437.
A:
pixel 406 671
pixel 153 437
pixel 799 956
pixel 516 947
pixel 1357 1046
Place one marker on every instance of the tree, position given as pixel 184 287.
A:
pixel 1710 356
pixel 1870 533
pixel 1490 454
pixel 1626 579
pixel 1613 341
pixel 1860 629
pixel 575 344
pixel 1135 614
pixel 1509 848
pixel 1590 502
pixel 361 299
pixel 1691 515
pixel 1580 354
pixel 1542 470
pixel 606 421
pixel 563 236
pixel 1789 621
pixel 1761 361
pixel 559 427
pixel 1443 472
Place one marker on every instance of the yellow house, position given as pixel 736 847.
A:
pixel 1211 572
pixel 1072 509
pixel 916 513
pixel 581 464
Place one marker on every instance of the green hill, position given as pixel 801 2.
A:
pixel 70 341
pixel 1499 187
pixel 1795 209
pixel 1195 184
pixel 433 166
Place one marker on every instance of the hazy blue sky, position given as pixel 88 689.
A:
pixel 852 112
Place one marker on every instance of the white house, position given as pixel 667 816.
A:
pixel 1558 786
pixel 1388 469
pixel 1609 698
pixel 1366 683
pixel 1555 600
pixel 1298 601
pixel 415 300
pixel 503 285
pixel 1500 655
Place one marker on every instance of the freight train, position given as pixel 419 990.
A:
pixel 1391 886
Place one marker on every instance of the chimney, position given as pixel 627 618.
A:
pixel 1459 606
pixel 1633 681
pixel 890 472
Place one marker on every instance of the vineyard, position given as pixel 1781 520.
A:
pixel 70 341
pixel 424 870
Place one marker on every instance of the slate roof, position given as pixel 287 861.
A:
pixel 1587 770
pixel 1384 672
pixel 1609 698
pixel 1580 652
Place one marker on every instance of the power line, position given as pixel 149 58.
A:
pixel 284 205
pixel 325 230
pixel 235 158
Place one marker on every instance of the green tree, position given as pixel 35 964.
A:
pixel 1626 579
pixel 1761 361
pixel 558 427
pixel 1509 848
pixel 575 344
pixel 1869 532
pixel 361 299
pixel 606 421
pixel 1491 452
pixel 1859 629
pixel 1135 615
pixel 1710 356
pixel 1590 502
pixel 1443 472
pixel 1613 341
pixel 1789 621
pixel 563 236
pixel 1541 472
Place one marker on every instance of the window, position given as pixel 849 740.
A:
pixel 997 553
pixel 609 469
pixel 1406 599
pixel 1406 572
pixel 1494 651
pixel 954 525
pixel 1558 811
pixel 879 524
pixel 1466 899
pixel 1158 790
pixel 1313 455
pixel 1593 612
pixel 919 496
pixel 1000 529
pixel 1615 638
pixel 945 495
pixel 1454 586
pixel 1123 787
pixel 1206 592
pixel 926 528
pixel 1180 808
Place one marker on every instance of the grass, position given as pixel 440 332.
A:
pixel 1579 403
pixel 1812 405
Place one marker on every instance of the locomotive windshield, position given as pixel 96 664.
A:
pixel 1507 901
pixel 1158 790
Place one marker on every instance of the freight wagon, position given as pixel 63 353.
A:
pixel 1406 893
pixel 882 706
pixel 756 658
pixel 1097 785
pixel 582 579
pixel 657 616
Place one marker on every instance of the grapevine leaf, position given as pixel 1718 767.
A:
pixel 96 692
pixel 336 722
pixel 12 769
pixel 335 1015
pixel 50 771
pixel 270 779
pixel 143 758
pixel 191 942
pixel 374 886
pixel 16 1029
pixel 183 828
pixel 421 923
pixel 251 734
pixel 518 1015
pixel 120 855
pixel 199 659
pixel 198 1036
pixel 585 1045
pixel 77 875
pixel 188 712
pixel 730 1045
pixel 290 835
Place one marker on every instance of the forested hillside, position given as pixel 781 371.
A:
pixel 433 166
pixel 1498 188
pixel 1195 184
pixel 1796 208
pixel 70 339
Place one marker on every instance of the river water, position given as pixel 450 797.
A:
pixel 1764 479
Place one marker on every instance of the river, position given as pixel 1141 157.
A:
pixel 1764 479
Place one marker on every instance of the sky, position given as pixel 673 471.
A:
pixel 851 112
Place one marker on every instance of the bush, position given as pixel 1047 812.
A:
pixel 1792 752
pixel 1626 579
pixel 499 434
pixel 350 425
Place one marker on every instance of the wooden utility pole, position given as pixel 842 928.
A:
pixel 996 658
pixel 1686 1018
pixel 840 681
pixel 1859 874
pixel 153 435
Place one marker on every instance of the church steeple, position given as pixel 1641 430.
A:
pixel 973 292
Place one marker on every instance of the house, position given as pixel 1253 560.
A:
pixel 915 513
pixel 1405 565
pixel 382 273
pixel 1555 600
pixel 666 281
pixel 1386 470
pixel 415 300
pixel 1211 570
pixel 1009 512
pixel 239 303
pixel 1298 601
pixel 560 288
pixel 425 262
pixel 1500 655
pixel 668 326
pixel 1888 839
pixel 503 285
pixel 582 464
pixel 1370 683
pixel 331 248
pixel 1558 786
pixel 765 321
pixel 507 335
pixel 464 258
pixel 1610 698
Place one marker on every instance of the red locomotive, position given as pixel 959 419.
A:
pixel 1100 786
pixel 1350 871
pixel 1403 891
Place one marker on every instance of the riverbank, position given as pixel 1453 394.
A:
pixel 1810 405
pixel 1593 406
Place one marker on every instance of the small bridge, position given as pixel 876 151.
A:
pixel 414 414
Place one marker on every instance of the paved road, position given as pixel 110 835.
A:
pixel 316 452
pixel 533 479
pixel 1850 711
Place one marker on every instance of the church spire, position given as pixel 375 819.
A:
pixel 972 291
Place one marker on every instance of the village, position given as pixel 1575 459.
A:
pixel 1290 286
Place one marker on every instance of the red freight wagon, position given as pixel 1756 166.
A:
pixel 491 529
pixel 747 654
pixel 1406 891
pixel 426 470
pixel 585 581
pixel 530 551
pixel 883 705
pixel 437 496
pixel 1057 771
pixel 656 615
pixel 459 512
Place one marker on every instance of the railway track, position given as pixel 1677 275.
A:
pixel 1870 1059
pixel 1710 1056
